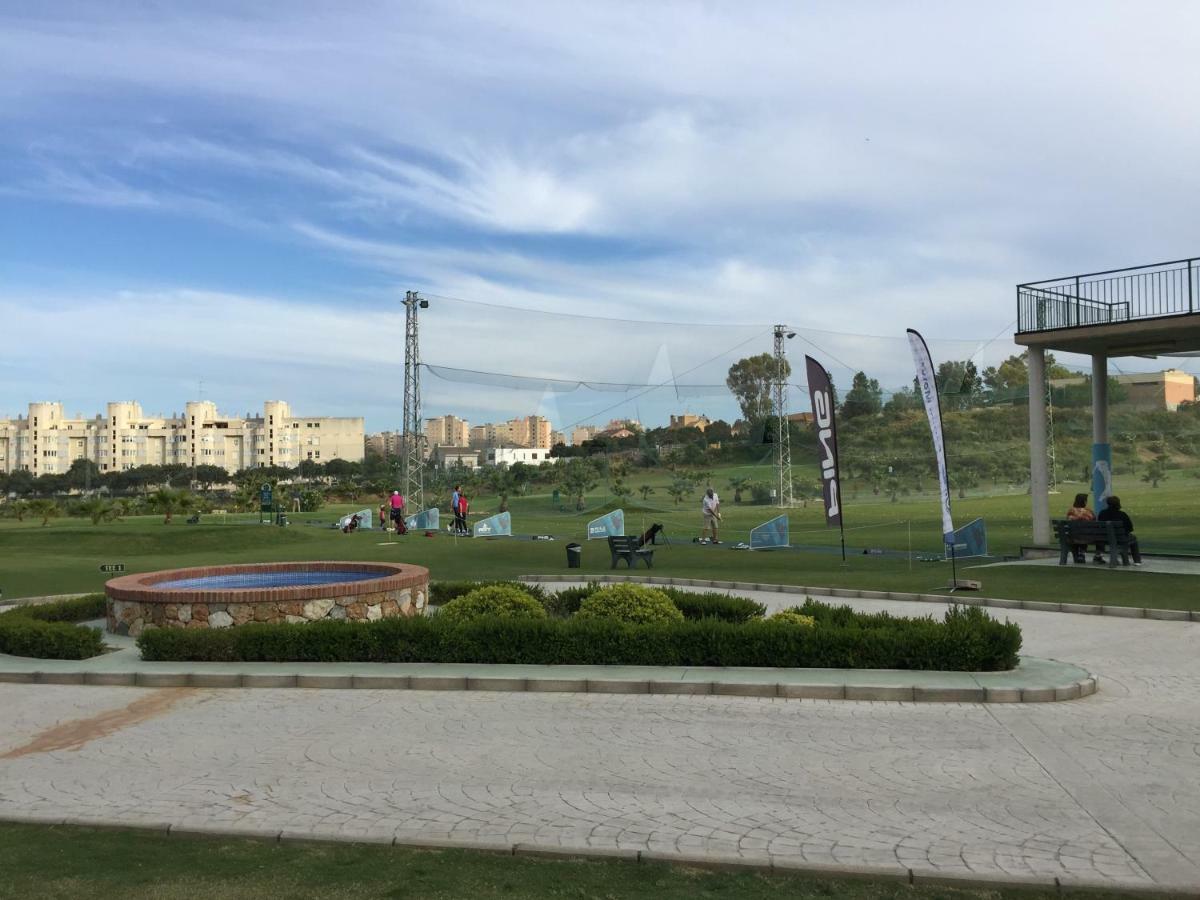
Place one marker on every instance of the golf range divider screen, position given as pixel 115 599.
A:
pixel 609 525
pixel 499 525
pixel 425 520
pixel 969 540
pixel 770 535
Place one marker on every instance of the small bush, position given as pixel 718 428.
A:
pixel 23 636
pixel 793 617
pixel 501 601
pixel 631 603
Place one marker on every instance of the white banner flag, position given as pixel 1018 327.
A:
pixel 927 384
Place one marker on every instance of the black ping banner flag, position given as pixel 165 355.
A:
pixel 820 390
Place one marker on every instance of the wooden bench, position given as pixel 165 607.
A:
pixel 627 548
pixel 1073 532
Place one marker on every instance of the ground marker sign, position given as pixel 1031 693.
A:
pixel 499 525
pixel 112 567
pixel 609 525
pixel 770 535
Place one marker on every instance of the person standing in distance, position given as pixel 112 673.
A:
pixel 454 508
pixel 710 506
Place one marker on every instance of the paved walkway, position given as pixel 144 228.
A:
pixel 1103 789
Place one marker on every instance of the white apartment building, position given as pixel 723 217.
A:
pixel 506 456
pixel 46 442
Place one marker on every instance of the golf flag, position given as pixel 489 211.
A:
pixel 927 382
pixel 820 391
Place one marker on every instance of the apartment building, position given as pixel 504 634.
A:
pixel 447 431
pixel 1159 390
pixel 385 443
pixel 687 420
pixel 47 441
pixel 533 432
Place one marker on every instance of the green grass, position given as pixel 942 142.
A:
pixel 64 556
pixel 79 863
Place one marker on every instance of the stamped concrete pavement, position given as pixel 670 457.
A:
pixel 1103 789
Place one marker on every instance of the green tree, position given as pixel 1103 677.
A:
pixel 959 384
pixel 737 485
pixel 645 490
pixel 752 381
pixel 98 509
pixel 1156 471
pixel 169 501
pixel 47 509
pixel 577 477
pixel 681 488
pixel 865 397
pixel 18 509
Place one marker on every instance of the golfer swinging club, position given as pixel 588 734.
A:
pixel 710 505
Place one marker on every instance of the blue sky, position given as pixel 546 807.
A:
pixel 204 193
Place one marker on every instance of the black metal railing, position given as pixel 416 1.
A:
pixel 1118 295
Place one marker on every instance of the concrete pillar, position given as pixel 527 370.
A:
pixel 1039 468
pixel 1101 448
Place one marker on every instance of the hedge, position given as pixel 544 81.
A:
pixel 44 631
pixel 77 609
pixel 23 636
pixel 967 640
pixel 501 601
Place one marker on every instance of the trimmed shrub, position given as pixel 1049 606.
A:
pixel 631 603
pixel 715 605
pixel 23 636
pixel 501 601
pixel 77 609
pixel 793 617
pixel 45 630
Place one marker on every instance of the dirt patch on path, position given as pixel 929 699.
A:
pixel 73 735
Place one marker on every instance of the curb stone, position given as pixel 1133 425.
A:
pixel 1074 690
pixel 1131 612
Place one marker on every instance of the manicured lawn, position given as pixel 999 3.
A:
pixel 64 862
pixel 64 556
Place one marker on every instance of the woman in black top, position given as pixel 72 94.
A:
pixel 1114 513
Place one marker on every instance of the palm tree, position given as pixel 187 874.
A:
pixel 98 510
pixel 738 485
pixel 169 502
pixel 47 509
pixel 18 509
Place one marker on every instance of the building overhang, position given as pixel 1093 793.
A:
pixel 1143 337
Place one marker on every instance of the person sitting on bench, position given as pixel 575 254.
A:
pixel 1079 512
pixel 1113 513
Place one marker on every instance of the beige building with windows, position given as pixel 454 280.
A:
pixel 531 432
pixel 46 441
pixel 447 431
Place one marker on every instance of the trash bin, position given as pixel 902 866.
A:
pixel 574 556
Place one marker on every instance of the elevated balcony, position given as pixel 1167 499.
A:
pixel 1139 311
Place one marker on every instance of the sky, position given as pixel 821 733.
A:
pixel 229 200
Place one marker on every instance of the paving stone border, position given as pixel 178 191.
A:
pixel 762 862
pixel 430 679
pixel 1085 609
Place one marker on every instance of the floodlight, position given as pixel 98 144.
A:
pixel 791 334
pixel 424 304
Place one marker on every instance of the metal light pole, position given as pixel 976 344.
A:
pixel 783 441
pixel 412 460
